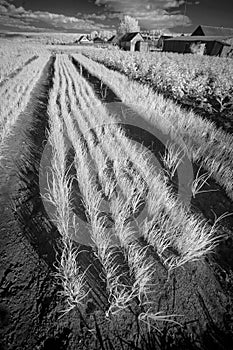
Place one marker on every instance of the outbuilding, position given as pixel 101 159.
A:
pixel 203 45
pixel 133 42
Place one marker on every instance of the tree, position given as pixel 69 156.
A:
pixel 93 34
pixel 128 25
pixel 156 32
pixel 106 34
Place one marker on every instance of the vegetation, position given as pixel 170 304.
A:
pixel 167 225
pixel 147 256
pixel 185 128
pixel 15 95
pixel 128 25
pixel 14 57
pixel 203 81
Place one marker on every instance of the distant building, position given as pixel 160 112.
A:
pixel 133 42
pixel 203 45
pixel 113 40
pixel 98 40
pixel 219 32
pixel 83 40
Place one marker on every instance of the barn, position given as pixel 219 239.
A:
pixel 220 32
pixel 203 45
pixel 161 40
pixel 133 42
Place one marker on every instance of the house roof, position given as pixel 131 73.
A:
pixel 215 31
pixel 130 36
pixel 199 38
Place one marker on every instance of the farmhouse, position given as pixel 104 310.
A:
pixel 204 45
pixel 133 42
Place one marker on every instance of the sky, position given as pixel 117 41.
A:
pixel 84 16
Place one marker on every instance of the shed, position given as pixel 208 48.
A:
pixel 132 42
pixel 205 45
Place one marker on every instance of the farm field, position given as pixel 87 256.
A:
pixel 202 83
pixel 116 207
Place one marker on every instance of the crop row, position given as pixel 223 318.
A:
pixel 77 112
pixel 206 145
pixel 15 95
pixel 14 57
pixel 200 81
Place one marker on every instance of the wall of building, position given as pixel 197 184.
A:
pixel 143 46
pixel 174 46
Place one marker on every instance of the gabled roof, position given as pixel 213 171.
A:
pixel 200 38
pixel 111 39
pixel 130 36
pixel 213 31
pixel 83 37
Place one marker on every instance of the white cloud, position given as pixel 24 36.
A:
pixel 150 13
pixel 93 16
pixel 21 18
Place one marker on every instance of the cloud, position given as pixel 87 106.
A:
pixel 18 17
pixel 92 16
pixel 150 13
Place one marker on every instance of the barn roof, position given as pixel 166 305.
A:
pixel 112 38
pixel 130 36
pixel 214 31
pixel 199 38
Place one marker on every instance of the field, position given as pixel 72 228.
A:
pixel 116 191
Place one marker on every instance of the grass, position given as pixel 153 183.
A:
pixel 172 158
pixel 68 272
pixel 15 95
pixel 174 233
pixel 185 128
pixel 14 55
pixel 101 237
pixel 201 81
